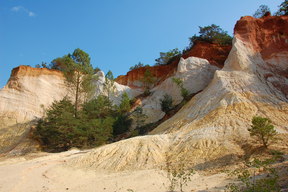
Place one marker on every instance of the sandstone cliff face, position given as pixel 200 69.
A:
pixel 216 55
pixel 269 37
pixel 29 92
pixel 213 125
pixel 243 87
pixel 27 89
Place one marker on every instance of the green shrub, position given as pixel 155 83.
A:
pixel 60 130
pixel 139 117
pixel 122 124
pixel 247 177
pixel 166 103
pixel 124 106
pixel 99 107
pixel 184 92
pixel 263 130
pixel 148 81
pixel 177 173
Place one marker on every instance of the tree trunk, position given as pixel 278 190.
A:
pixel 77 94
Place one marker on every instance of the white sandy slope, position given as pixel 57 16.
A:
pixel 50 174
pixel 210 128
pixel 196 74
pixel 207 132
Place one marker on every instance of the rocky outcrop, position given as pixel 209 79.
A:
pixel 269 37
pixel 243 87
pixel 216 55
pixel 195 73
pixel 134 78
pixel 213 125
pixel 29 92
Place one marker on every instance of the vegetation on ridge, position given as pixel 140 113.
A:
pixel 211 34
pixel 264 10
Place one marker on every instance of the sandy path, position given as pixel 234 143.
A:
pixel 47 174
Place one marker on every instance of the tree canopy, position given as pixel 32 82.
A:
pixel 148 80
pixel 78 72
pixel 59 130
pixel 109 86
pixel 283 8
pixel 166 103
pixel 165 57
pixel 212 34
pixel 263 130
pixel 261 11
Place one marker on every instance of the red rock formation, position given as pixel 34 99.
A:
pixel 23 70
pixel 269 37
pixel 132 78
pixel 216 54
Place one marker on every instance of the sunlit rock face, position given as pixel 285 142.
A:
pixel 268 36
pixel 252 82
pixel 31 90
pixel 212 126
pixel 28 91
pixel 196 74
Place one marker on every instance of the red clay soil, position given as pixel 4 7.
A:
pixel 267 35
pixel 216 54
pixel 160 72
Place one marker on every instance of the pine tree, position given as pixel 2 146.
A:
pixel 263 130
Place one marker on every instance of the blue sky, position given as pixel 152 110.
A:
pixel 115 33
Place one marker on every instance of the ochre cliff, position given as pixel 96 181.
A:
pixel 133 78
pixel 27 71
pixel 24 70
pixel 216 55
pixel 269 37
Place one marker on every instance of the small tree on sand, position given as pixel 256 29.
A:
pixel 263 130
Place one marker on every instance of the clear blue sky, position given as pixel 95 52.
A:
pixel 115 33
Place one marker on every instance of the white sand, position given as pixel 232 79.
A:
pixel 49 174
